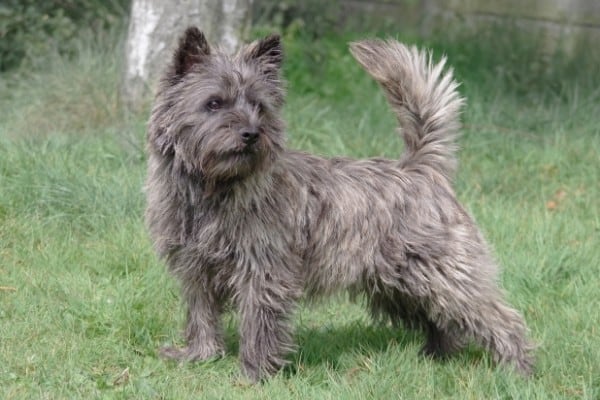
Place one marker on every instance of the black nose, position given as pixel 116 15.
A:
pixel 249 136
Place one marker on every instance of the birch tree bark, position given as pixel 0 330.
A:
pixel 155 26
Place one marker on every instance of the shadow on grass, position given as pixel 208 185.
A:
pixel 329 344
pixel 339 346
pixel 346 347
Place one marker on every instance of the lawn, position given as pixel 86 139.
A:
pixel 84 303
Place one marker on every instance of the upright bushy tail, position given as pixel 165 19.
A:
pixel 422 95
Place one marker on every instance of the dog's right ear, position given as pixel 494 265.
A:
pixel 268 53
pixel 193 49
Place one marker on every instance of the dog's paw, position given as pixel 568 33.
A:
pixel 525 366
pixel 434 352
pixel 440 346
pixel 191 353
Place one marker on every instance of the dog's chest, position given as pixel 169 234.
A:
pixel 234 237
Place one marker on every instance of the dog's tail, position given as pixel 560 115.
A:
pixel 423 97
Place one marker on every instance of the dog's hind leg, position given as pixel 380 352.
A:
pixel 500 329
pixel 405 310
pixel 441 343
pixel 481 314
pixel 455 303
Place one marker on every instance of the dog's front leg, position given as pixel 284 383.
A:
pixel 266 304
pixel 203 335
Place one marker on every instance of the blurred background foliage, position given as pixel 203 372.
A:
pixel 34 34
pixel 33 28
pixel 30 29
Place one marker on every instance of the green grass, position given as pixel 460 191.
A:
pixel 84 303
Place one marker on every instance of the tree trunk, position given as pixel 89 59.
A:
pixel 154 28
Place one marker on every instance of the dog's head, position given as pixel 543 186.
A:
pixel 217 115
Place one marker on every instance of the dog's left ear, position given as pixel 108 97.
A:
pixel 193 49
pixel 268 53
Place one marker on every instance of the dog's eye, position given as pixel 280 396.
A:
pixel 214 104
pixel 259 106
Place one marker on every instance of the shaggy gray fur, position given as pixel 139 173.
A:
pixel 242 220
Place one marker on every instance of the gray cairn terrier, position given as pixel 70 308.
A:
pixel 241 220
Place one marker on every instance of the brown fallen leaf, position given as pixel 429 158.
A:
pixel 560 194
pixel 558 197
pixel 122 378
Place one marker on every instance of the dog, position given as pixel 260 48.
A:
pixel 243 221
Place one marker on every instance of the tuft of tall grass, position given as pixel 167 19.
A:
pixel 66 94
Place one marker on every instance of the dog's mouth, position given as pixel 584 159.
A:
pixel 239 159
pixel 243 151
